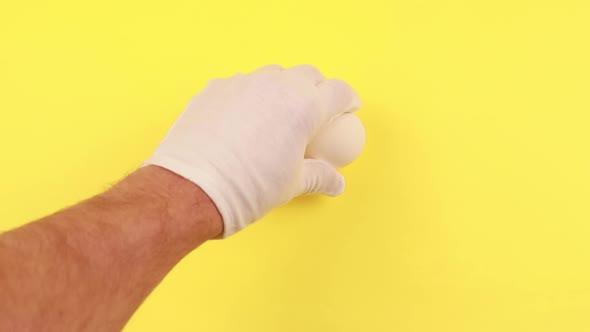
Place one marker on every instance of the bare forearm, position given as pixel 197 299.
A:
pixel 90 266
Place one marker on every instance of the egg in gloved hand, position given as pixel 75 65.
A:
pixel 339 142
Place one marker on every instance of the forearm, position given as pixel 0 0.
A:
pixel 90 266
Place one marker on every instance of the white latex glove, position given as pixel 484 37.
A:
pixel 242 140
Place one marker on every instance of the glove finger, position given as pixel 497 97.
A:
pixel 338 97
pixel 319 177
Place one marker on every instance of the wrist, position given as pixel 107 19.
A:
pixel 183 213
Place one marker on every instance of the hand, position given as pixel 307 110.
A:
pixel 243 139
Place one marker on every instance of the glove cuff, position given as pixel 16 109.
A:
pixel 220 194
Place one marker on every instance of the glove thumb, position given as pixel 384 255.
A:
pixel 319 177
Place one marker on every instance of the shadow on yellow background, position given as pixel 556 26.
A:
pixel 468 211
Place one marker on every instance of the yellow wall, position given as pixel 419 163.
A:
pixel 468 211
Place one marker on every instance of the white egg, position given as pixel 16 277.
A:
pixel 339 142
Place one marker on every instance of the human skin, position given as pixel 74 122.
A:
pixel 90 266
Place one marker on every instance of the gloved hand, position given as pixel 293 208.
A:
pixel 242 140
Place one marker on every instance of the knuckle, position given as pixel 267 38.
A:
pixel 338 87
pixel 307 67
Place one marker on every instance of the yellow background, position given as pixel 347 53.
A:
pixel 468 211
